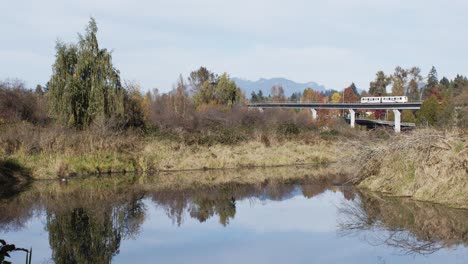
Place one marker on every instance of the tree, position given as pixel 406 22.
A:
pixel 181 98
pixel 432 80
pixel 429 111
pixel 459 84
pixel 260 96
pixel 227 93
pixel 84 83
pixel 295 97
pixel 253 97
pixel 445 82
pixel 309 95
pixel 336 97
pixel 134 115
pixel 277 93
pixel 354 88
pixel 408 116
pixel 198 77
pixel 413 87
pixel 223 92
pixel 349 96
pixel 379 86
pixel 399 78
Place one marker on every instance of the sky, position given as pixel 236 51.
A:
pixel 333 42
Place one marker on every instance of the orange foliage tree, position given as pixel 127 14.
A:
pixel 310 95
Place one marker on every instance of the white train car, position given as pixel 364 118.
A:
pixel 384 99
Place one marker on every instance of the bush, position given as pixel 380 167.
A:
pixel 20 104
pixel 288 129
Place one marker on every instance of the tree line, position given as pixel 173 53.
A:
pixel 85 87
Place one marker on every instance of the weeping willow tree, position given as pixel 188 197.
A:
pixel 84 83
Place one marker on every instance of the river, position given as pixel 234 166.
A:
pixel 131 219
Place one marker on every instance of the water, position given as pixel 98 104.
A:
pixel 141 220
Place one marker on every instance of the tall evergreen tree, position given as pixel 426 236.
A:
pixel 253 97
pixel 354 88
pixel 432 82
pixel 84 83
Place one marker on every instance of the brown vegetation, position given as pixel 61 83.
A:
pixel 427 165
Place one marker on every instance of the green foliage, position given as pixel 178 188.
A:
pixel 408 116
pixel 432 79
pixel 223 92
pixel 399 78
pixel 378 87
pixel 413 87
pixel 84 83
pixel 199 77
pixel 288 129
pixel 428 114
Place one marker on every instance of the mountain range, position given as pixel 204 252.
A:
pixel 265 85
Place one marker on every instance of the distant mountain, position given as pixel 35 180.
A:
pixel 265 85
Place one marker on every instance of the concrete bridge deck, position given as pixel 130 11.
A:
pixel 376 106
pixel 351 107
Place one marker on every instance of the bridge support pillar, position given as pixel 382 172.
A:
pixel 352 118
pixel 397 121
pixel 314 113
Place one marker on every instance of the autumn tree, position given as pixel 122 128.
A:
pixel 134 105
pixel 309 95
pixel 349 96
pixel 413 87
pixel 181 99
pixel 399 79
pixel 84 83
pixel 198 77
pixel 336 97
pixel 379 86
pixel 277 93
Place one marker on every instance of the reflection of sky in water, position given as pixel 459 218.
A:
pixel 295 230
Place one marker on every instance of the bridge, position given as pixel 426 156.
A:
pixel 351 107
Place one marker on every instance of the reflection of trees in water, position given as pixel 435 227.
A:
pixel 88 219
pixel 408 226
pixel 92 234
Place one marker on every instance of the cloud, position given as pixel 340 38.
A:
pixel 331 42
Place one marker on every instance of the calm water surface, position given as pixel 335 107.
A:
pixel 134 220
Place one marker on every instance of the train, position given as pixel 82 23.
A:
pixel 384 99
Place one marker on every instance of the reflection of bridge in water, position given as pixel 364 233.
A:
pixel 351 107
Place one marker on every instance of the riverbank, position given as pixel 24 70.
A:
pixel 158 155
pixel 50 153
pixel 426 165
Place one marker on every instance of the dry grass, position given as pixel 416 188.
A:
pixel 427 165
pixel 54 151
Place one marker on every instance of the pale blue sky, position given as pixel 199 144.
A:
pixel 330 42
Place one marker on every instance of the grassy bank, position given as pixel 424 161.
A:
pixel 51 152
pixel 426 165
